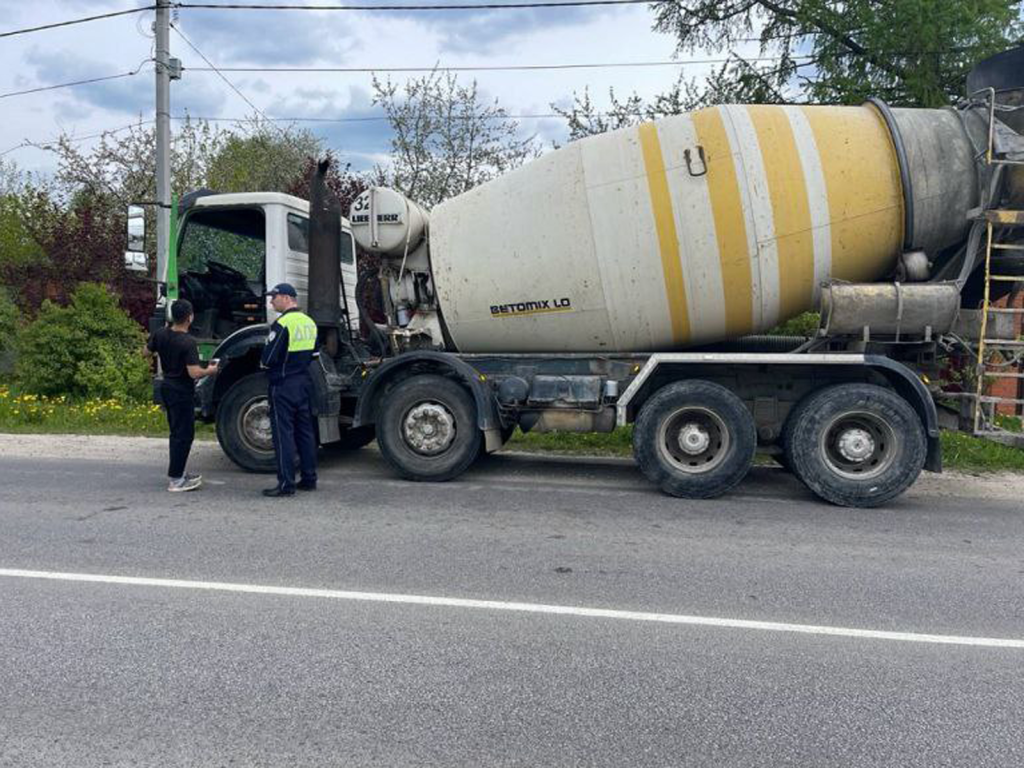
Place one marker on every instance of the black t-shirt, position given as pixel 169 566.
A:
pixel 177 351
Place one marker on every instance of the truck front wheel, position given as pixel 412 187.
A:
pixel 427 430
pixel 856 445
pixel 243 425
pixel 694 439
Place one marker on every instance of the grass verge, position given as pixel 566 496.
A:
pixel 30 414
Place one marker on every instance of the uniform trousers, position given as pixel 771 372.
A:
pixel 291 422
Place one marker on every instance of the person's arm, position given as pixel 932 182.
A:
pixel 198 372
pixel 277 346
pixel 195 370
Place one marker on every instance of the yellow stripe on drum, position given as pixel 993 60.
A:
pixel 730 223
pixel 668 241
pixel 864 196
pixel 790 208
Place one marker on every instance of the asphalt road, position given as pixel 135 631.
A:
pixel 238 661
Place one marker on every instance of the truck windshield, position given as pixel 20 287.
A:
pixel 221 269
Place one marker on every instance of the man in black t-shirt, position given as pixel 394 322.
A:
pixel 179 361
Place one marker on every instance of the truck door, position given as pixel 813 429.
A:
pixel 222 269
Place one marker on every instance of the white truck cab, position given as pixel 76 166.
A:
pixel 232 248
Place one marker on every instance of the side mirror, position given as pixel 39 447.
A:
pixel 135 257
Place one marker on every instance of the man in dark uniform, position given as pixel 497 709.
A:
pixel 286 358
pixel 179 361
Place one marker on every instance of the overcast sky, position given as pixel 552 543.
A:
pixel 294 38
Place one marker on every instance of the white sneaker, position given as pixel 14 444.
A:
pixel 186 483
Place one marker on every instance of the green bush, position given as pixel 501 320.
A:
pixel 8 319
pixel 88 349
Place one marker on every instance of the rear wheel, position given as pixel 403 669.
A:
pixel 694 439
pixel 243 425
pixel 427 430
pixel 856 445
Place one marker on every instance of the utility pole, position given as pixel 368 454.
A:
pixel 163 136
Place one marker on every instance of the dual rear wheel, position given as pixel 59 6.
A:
pixel 854 445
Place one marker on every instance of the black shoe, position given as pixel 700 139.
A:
pixel 278 491
pixel 304 485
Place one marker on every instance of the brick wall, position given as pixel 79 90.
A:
pixel 1010 387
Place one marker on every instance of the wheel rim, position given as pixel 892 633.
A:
pixel 858 446
pixel 429 428
pixel 254 425
pixel 694 440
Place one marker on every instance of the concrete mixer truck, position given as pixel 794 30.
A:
pixel 627 279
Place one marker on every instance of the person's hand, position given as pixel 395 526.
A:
pixel 212 368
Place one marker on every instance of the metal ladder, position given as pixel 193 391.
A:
pixel 984 425
pixel 995 220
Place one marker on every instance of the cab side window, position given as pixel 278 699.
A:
pixel 298 238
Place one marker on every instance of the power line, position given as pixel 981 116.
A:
pixel 74 139
pixel 366 119
pixel 446 7
pixel 494 67
pixel 538 67
pixel 231 85
pixel 70 22
pixel 73 83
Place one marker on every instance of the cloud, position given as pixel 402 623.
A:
pixel 130 95
pixel 264 38
pixel 71 110
pixel 359 136
pixel 483 31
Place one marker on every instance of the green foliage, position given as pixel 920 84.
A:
pixel 88 349
pixel 25 413
pixel 8 319
pixel 265 161
pixel 805 324
pixel 911 53
pixel 960 451
pixel 18 248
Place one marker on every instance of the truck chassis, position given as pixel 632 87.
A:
pixel 855 428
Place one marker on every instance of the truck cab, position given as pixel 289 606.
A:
pixel 232 247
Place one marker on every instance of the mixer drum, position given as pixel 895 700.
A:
pixel 695 228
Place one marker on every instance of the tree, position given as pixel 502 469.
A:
pixel 345 184
pixel 265 160
pixel 123 166
pixel 9 317
pixel 81 240
pixel 446 138
pixel 17 247
pixel 908 52
pixel 585 119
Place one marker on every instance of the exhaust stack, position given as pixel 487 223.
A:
pixel 324 279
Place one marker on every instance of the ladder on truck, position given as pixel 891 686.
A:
pixel 998 358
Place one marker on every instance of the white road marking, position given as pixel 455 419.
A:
pixel 500 605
